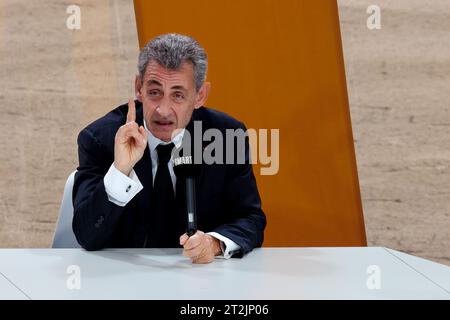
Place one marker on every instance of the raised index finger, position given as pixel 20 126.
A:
pixel 131 115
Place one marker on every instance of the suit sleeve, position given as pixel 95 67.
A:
pixel 248 221
pixel 95 217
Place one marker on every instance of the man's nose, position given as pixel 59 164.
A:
pixel 164 109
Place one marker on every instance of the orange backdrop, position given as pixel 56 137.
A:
pixel 279 64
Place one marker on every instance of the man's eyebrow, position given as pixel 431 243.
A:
pixel 150 82
pixel 157 83
pixel 179 88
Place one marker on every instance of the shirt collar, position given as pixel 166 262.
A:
pixel 153 141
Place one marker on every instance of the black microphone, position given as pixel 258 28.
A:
pixel 185 169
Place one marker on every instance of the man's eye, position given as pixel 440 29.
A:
pixel 153 93
pixel 179 96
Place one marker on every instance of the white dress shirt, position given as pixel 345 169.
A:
pixel 121 188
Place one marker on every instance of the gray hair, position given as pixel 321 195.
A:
pixel 170 51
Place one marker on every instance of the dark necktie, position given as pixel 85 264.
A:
pixel 162 230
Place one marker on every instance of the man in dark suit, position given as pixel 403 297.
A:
pixel 126 193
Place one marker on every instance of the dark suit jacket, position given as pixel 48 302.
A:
pixel 226 194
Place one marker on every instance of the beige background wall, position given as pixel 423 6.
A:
pixel 54 81
pixel 399 83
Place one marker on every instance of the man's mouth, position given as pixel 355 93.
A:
pixel 163 123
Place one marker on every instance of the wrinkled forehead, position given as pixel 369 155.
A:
pixel 157 74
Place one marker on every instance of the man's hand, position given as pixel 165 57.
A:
pixel 200 247
pixel 130 142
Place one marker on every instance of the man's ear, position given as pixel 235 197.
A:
pixel 138 87
pixel 202 94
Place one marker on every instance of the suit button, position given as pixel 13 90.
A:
pixel 99 221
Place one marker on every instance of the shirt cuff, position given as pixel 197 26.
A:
pixel 229 247
pixel 120 188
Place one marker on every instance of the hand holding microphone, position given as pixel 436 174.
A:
pixel 201 247
pixel 198 246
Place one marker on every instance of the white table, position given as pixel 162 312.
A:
pixel 9 291
pixel 268 273
pixel 435 272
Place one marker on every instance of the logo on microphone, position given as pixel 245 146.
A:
pixel 182 160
